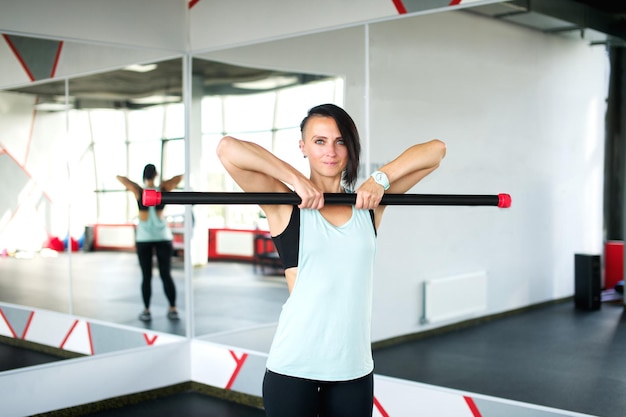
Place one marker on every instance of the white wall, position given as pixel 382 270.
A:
pixel 218 24
pixel 82 56
pixel 521 112
pixel 70 383
pixel 158 24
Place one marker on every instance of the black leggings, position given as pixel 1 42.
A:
pixel 145 251
pixel 287 396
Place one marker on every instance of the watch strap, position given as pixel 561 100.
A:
pixel 381 178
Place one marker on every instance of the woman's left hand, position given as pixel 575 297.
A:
pixel 369 194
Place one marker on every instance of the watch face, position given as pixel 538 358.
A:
pixel 379 177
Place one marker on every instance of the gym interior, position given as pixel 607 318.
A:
pixel 477 310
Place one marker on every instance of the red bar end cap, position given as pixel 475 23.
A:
pixel 151 198
pixel 504 200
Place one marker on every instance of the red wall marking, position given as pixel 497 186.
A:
pixel 56 59
pixel 3 150
pixel 30 319
pixel 455 2
pixel 240 362
pixel 22 165
pixel 399 6
pixel 149 341
pixel 380 408
pixel 90 338
pixel 193 3
pixel 18 56
pixel 14 212
pixel 8 324
pixel 30 133
pixel 67 336
pixel 472 405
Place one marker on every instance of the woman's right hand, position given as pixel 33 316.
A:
pixel 311 196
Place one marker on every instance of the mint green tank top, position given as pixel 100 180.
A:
pixel 324 329
pixel 154 229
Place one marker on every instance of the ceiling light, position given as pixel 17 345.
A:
pixel 141 67
pixel 48 106
pixel 156 99
pixel 267 83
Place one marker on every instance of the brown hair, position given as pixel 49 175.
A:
pixel 349 134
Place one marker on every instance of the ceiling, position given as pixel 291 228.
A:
pixel 161 82
pixel 596 21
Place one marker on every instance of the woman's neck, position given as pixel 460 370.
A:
pixel 328 185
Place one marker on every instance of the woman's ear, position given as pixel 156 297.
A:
pixel 301 144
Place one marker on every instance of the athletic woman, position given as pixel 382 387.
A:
pixel 153 236
pixel 320 362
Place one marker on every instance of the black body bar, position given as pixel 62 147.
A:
pixel 153 198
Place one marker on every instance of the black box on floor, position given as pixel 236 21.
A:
pixel 587 288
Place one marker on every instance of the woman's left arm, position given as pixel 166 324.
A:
pixel 409 168
pixel 412 165
pixel 169 185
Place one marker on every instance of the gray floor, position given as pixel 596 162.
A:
pixel 106 286
pixel 554 356
pixel 185 404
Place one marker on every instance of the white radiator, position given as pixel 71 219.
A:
pixel 454 297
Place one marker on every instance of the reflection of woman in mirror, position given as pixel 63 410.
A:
pixel 320 362
pixel 153 236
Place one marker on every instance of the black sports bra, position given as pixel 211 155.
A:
pixel 288 242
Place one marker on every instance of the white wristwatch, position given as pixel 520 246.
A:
pixel 381 178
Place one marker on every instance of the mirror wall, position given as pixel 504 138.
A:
pixel 67 225
pixel 63 143
pixel 105 284
pixel 243 309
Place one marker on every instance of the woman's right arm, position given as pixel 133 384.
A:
pixel 255 169
pixel 130 186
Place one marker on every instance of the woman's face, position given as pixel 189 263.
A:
pixel 323 145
